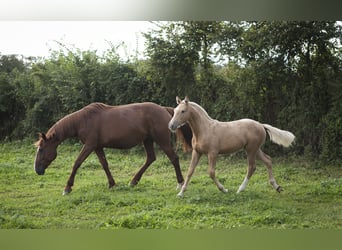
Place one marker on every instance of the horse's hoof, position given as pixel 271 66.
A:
pixel 133 183
pixel 179 186
pixel 279 189
pixel 66 192
pixel 224 190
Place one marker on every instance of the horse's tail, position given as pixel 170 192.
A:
pixel 183 134
pixel 281 137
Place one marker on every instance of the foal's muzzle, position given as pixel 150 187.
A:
pixel 172 126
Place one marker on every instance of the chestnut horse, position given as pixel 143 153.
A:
pixel 213 137
pixel 101 126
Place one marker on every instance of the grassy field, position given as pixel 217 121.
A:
pixel 312 196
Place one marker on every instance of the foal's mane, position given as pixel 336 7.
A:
pixel 200 110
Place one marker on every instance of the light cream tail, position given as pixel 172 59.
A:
pixel 281 137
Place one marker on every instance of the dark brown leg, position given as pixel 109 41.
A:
pixel 102 158
pixel 174 160
pixel 150 157
pixel 85 152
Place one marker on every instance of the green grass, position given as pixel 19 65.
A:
pixel 311 198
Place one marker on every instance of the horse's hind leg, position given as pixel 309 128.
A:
pixel 212 163
pixel 250 170
pixel 268 162
pixel 175 162
pixel 150 157
pixel 102 158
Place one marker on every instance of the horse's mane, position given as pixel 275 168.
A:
pixel 68 124
pixel 200 109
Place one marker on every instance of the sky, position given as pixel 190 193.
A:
pixel 37 38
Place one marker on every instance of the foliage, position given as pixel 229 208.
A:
pixel 287 74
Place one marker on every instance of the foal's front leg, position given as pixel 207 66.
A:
pixel 194 161
pixel 212 163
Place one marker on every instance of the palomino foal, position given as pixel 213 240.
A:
pixel 212 137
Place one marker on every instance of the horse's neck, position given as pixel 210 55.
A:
pixel 64 128
pixel 199 121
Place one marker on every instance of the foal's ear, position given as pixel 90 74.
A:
pixel 186 99
pixel 178 100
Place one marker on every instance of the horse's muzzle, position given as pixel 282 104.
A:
pixel 40 170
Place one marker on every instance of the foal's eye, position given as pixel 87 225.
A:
pixel 183 111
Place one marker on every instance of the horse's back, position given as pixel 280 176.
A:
pixel 127 125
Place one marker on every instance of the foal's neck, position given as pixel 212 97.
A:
pixel 199 120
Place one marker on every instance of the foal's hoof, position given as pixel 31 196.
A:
pixel 180 194
pixel 279 189
pixel 179 186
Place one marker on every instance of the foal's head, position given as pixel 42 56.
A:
pixel 46 152
pixel 181 114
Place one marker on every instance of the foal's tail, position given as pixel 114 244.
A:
pixel 281 137
pixel 183 134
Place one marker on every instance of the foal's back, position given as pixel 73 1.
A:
pixel 238 134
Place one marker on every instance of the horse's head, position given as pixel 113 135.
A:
pixel 46 152
pixel 181 114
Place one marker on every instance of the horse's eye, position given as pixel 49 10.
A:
pixel 183 111
pixel 40 150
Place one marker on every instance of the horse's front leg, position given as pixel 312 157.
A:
pixel 194 161
pixel 85 152
pixel 212 163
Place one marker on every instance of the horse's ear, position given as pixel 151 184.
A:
pixel 54 136
pixel 186 99
pixel 178 100
pixel 42 136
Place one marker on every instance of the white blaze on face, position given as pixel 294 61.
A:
pixel 35 159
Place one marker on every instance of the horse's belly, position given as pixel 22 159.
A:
pixel 123 141
pixel 231 145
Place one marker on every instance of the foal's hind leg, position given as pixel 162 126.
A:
pixel 150 157
pixel 268 162
pixel 250 170
pixel 102 158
